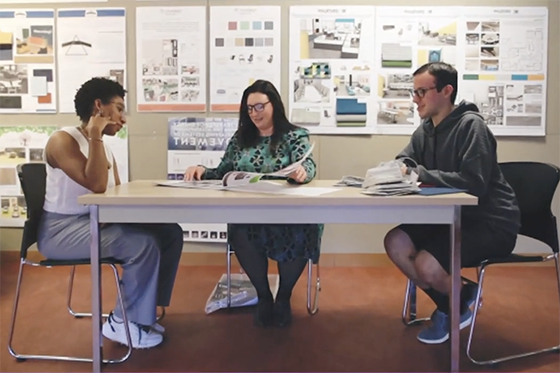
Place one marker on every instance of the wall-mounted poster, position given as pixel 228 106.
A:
pixel 171 59
pixel 18 145
pixel 91 43
pixel 332 85
pixel 198 141
pixel 27 61
pixel 245 46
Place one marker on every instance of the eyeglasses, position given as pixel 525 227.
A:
pixel 257 107
pixel 421 92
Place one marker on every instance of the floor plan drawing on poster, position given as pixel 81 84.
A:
pixel 244 47
pixel 331 71
pixel 170 59
pixel 505 67
pixel 27 61
pixel 407 38
pixel 91 43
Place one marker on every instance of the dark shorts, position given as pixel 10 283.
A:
pixel 479 241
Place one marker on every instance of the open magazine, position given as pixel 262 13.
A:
pixel 240 180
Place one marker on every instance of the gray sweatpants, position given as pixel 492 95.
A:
pixel 150 254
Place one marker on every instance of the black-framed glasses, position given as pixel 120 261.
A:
pixel 257 107
pixel 421 92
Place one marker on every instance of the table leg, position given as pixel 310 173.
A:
pixel 454 299
pixel 97 341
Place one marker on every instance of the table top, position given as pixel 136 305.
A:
pixel 146 192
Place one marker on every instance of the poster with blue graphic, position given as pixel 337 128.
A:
pixel 198 141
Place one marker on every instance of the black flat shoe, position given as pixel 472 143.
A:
pixel 282 313
pixel 263 316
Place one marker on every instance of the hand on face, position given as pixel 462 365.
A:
pixel 97 124
pixel 299 174
pixel 113 112
pixel 194 173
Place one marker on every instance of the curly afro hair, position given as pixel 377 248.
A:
pixel 96 89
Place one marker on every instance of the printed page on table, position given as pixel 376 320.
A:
pixel 240 178
pixel 196 184
pixel 281 188
pixel 237 178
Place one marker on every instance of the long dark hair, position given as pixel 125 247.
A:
pixel 248 134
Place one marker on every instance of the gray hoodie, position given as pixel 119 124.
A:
pixel 461 153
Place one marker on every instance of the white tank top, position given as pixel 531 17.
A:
pixel 62 192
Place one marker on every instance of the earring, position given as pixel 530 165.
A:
pixel 100 112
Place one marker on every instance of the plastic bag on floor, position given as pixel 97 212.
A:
pixel 243 293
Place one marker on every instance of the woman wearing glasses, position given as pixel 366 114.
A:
pixel 266 142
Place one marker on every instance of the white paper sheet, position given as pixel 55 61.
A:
pixel 263 186
pixel 38 86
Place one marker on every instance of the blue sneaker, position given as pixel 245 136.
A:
pixel 438 332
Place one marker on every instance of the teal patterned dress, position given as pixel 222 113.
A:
pixel 280 242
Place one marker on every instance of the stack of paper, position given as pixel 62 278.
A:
pixel 392 189
pixel 388 179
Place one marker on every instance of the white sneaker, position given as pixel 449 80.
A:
pixel 142 337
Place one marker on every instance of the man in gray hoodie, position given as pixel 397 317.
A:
pixel 453 148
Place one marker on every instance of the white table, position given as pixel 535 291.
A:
pixel 143 202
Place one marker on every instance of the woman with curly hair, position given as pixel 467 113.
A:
pixel 79 162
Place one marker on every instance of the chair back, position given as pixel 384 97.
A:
pixel 33 179
pixel 534 184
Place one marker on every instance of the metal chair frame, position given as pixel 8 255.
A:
pixel 312 299
pixel 33 183
pixel 80 315
pixel 409 312
pixel 23 357
pixel 550 238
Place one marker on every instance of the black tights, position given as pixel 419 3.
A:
pixel 255 264
pixel 442 300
